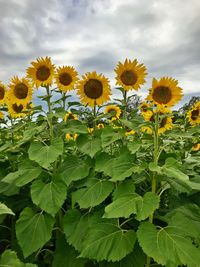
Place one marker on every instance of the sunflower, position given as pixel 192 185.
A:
pixel 2 93
pixel 20 91
pixel 100 126
pixel 146 129
pixel 129 132
pixel 113 110
pixel 165 125
pixel 165 92
pixel 196 147
pixel 70 116
pixel 146 110
pixel 41 72
pixel 193 114
pixel 16 110
pixel 70 137
pixel 66 78
pixel 130 74
pixel 1 115
pixel 94 89
pixel 90 130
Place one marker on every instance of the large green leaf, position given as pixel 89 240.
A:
pixel 9 259
pixel 93 195
pixel 89 145
pixel 74 169
pixel 170 243
pixel 5 210
pixel 109 136
pixel 50 196
pixel 33 230
pixel 76 127
pixel 124 188
pixel 23 176
pixel 106 241
pixel 66 255
pixel 128 204
pixel 45 155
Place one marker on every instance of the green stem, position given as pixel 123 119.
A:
pixel 94 114
pixel 125 103
pixel 49 112
pixel 64 100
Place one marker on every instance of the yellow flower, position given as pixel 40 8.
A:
pixel 100 126
pixel 193 114
pixel 130 74
pixel 93 89
pixel 16 110
pixel 20 91
pixel 66 78
pixel 70 137
pixel 146 111
pixel 196 147
pixel 90 130
pixel 129 132
pixel 2 93
pixel 41 72
pixel 113 110
pixel 146 129
pixel 165 124
pixel 1 115
pixel 70 116
pixel 165 92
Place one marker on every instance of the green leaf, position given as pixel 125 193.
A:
pixel 124 188
pixel 5 210
pixel 23 176
pixel 66 256
pixel 75 126
pixel 106 241
pixel 150 202
pixel 109 136
pixel 74 169
pixel 134 146
pixel 45 155
pixel 33 230
pixel 9 259
pixel 93 195
pixel 88 144
pixel 170 243
pixel 49 197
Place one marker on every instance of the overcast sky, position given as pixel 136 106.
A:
pixel 96 34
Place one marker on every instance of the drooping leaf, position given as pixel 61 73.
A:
pixel 50 196
pixel 45 155
pixel 93 195
pixel 89 145
pixel 9 259
pixel 33 230
pixel 5 210
pixel 109 136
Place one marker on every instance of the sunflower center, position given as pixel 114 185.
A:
pixel 2 93
pixel 194 114
pixel 21 91
pixel 93 88
pixel 43 73
pixel 129 77
pixel 17 108
pixel 65 78
pixel 162 94
pixel 163 122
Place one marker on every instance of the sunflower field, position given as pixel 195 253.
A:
pixel 97 183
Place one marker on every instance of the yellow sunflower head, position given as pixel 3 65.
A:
pixel 196 147
pixel 165 125
pixel 100 126
pixel 20 90
pixel 1 115
pixel 146 129
pixel 16 110
pixel 66 78
pixel 129 132
pixel 146 110
pixel 70 116
pixel 41 72
pixel 130 74
pixel 90 130
pixel 94 89
pixel 2 93
pixel 70 137
pixel 165 92
pixel 193 114
pixel 114 111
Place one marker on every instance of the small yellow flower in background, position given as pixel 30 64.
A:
pixel 1 115
pixel 196 147
pixel 16 110
pixel 130 74
pixel 70 116
pixel 2 93
pixel 146 129
pixel 90 130
pixel 93 89
pixel 42 72
pixel 146 111
pixel 165 92
pixel 20 91
pixel 113 110
pixel 66 78
pixel 71 137
pixel 130 132
pixel 100 126
pixel 193 114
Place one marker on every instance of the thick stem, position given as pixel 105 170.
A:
pixel 49 112
pixel 64 100
pixel 94 114
pixel 125 103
